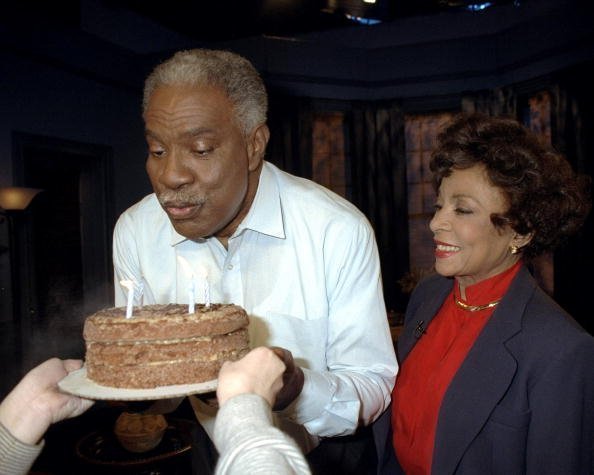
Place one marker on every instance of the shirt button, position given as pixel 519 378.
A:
pixel 230 266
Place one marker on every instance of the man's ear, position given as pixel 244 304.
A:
pixel 256 147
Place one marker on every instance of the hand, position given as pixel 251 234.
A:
pixel 293 380
pixel 36 402
pixel 259 372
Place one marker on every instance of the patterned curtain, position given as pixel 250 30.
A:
pixel 572 135
pixel 500 101
pixel 379 186
pixel 290 121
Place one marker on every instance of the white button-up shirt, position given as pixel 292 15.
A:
pixel 304 265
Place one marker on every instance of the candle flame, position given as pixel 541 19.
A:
pixel 128 284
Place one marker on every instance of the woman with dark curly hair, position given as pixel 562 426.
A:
pixel 494 376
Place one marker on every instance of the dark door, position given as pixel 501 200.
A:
pixel 64 243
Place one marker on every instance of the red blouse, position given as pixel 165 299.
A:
pixel 427 371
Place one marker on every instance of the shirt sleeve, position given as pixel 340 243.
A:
pixel 126 265
pixel 360 358
pixel 249 443
pixel 16 457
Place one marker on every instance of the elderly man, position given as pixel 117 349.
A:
pixel 301 260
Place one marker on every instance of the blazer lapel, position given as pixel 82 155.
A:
pixel 417 321
pixel 482 379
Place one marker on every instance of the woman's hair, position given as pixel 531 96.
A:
pixel 545 197
pixel 232 73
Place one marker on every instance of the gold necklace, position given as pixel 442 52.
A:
pixel 475 308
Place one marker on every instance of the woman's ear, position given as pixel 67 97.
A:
pixel 256 147
pixel 521 240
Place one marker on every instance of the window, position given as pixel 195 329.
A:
pixel 328 155
pixel 420 137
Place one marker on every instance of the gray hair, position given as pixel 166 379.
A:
pixel 232 73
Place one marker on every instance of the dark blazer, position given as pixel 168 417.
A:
pixel 523 399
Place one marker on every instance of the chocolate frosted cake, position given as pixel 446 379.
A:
pixel 161 345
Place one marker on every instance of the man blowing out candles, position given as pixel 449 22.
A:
pixel 301 260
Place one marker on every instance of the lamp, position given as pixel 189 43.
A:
pixel 16 197
pixel 13 200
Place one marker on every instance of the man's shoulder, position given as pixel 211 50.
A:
pixel 147 205
pixel 305 194
pixel 147 209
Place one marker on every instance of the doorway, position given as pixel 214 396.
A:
pixel 63 243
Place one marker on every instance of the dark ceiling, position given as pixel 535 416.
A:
pixel 233 19
pixel 221 20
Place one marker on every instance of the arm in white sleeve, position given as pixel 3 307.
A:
pixel 126 265
pixel 361 363
pixel 249 443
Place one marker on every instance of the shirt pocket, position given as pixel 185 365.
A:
pixel 304 338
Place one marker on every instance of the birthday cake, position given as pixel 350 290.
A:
pixel 162 345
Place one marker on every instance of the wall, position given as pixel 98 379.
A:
pixel 41 98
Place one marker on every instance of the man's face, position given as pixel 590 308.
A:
pixel 203 169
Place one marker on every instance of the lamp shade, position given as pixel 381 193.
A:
pixel 16 197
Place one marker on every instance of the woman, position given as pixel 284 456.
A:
pixel 495 377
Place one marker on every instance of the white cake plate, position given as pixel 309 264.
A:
pixel 78 384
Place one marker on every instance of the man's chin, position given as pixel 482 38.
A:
pixel 190 232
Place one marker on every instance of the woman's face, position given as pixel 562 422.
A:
pixel 467 244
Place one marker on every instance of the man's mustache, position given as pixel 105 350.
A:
pixel 179 198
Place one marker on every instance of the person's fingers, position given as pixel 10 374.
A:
pixel 73 406
pixel 292 379
pixel 72 365
pixel 280 352
pixel 285 356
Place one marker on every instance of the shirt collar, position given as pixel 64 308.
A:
pixel 176 238
pixel 489 289
pixel 265 215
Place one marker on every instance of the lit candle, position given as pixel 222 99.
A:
pixel 129 284
pixel 191 286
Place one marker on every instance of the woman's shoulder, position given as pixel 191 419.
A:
pixel 542 310
pixel 552 328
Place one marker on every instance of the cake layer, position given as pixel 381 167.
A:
pixel 205 348
pixel 163 322
pixel 163 345
pixel 161 374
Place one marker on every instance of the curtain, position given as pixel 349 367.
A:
pixel 500 101
pixel 573 135
pixel 290 147
pixel 378 170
